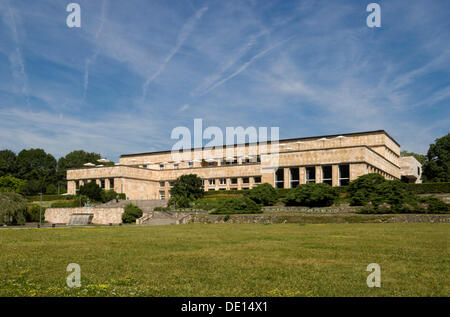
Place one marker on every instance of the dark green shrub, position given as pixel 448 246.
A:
pixel 311 195
pixel 179 201
pixel 131 213
pixel 13 208
pixel 122 196
pixel 51 189
pixel 393 193
pixel 108 195
pixel 237 205
pixel 283 192
pixel 395 197
pixel 429 188
pixel 32 214
pixel 263 194
pixel 435 205
pixel 92 191
pixel 223 193
pixel 362 188
pixel 162 209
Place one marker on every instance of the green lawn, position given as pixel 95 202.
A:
pixel 227 260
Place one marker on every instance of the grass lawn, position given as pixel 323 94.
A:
pixel 227 260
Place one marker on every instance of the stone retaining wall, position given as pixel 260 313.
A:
pixel 318 218
pixel 101 215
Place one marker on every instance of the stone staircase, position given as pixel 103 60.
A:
pixel 157 218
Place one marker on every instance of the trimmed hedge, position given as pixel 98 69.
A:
pixel 430 188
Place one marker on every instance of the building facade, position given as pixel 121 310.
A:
pixel 332 159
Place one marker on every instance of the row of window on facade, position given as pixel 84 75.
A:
pixel 311 173
pixel 221 181
pixel 213 162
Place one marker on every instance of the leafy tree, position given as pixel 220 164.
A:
pixel 420 157
pixel 8 163
pixel 131 213
pixel 33 211
pixel 263 194
pixel 92 191
pixel 31 187
pixel 311 195
pixel 35 164
pixel 51 189
pixel 237 205
pixel 11 184
pixel 108 195
pixel 13 208
pixel 180 201
pixel 188 186
pixel 75 159
pixel 362 188
pixel 437 167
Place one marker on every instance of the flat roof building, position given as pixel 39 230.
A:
pixel 332 159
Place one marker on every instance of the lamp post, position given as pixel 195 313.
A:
pixel 40 209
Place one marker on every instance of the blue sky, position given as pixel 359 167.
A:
pixel 137 69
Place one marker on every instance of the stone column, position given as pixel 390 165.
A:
pixel 71 188
pixel 268 176
pixel 287 178
pixel 302 175
pixel 319 174
pixel 107 185
pixel 239 183
pixel 335 175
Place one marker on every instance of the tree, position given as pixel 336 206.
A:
pixel 36 165
pixel 437 167
pixel 11 184
pixel 8 163
pixel 188 186
pixel 263 194
pixel 92 191
pixel 13 208
pixel 75 159
pixel 420 157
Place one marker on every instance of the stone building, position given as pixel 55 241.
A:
pixel 332 159
pixel 411 169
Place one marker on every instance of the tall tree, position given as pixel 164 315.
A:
pixel 437 167
pixel 75 159
pixel 8 163
pixel 36 165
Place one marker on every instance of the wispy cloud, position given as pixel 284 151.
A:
pixel 243 66
pixel 15 57
pixel 184 34
pixel 91 60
